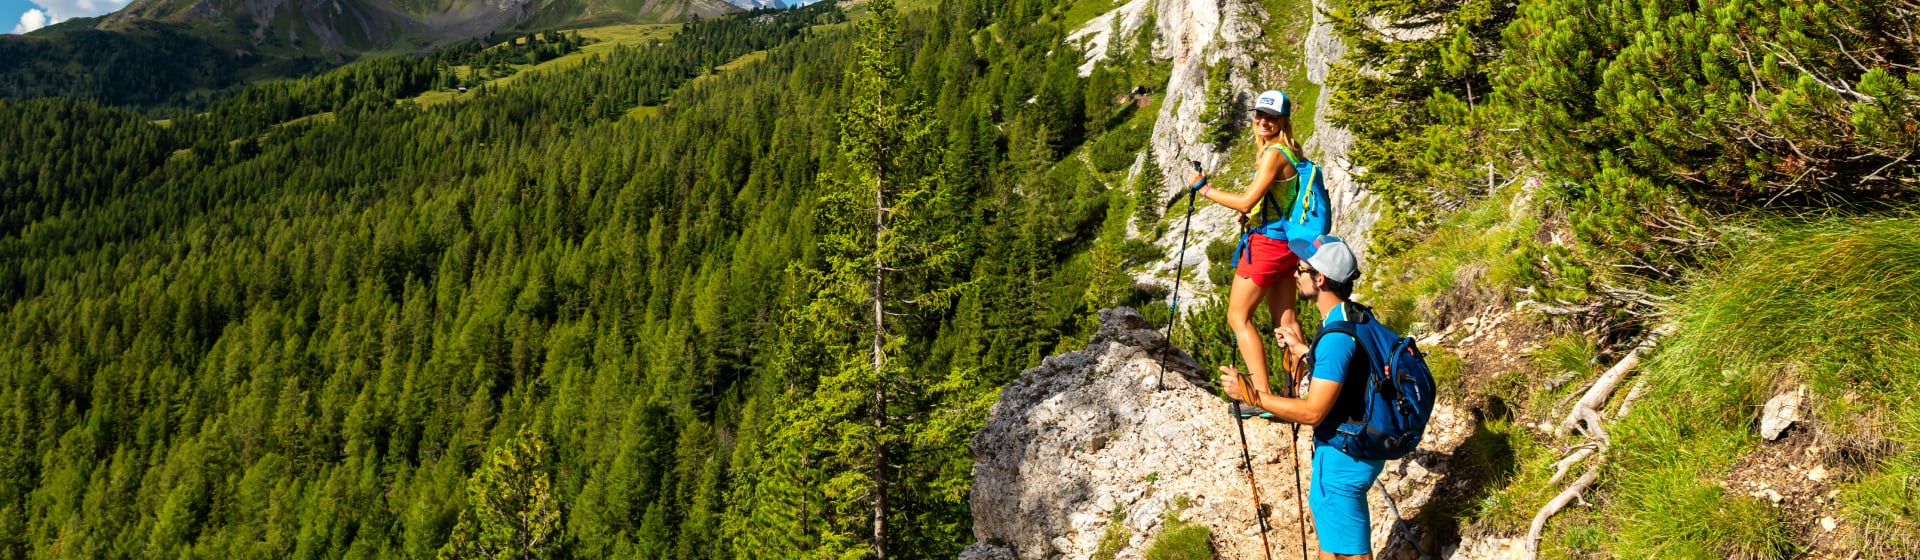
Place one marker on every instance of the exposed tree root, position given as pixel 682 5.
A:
pixel 1596 397
pixel 1560 468
pixel 1566 496
pixel 1587 418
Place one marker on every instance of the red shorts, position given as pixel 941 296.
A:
pixel 1265 261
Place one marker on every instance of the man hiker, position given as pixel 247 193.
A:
pixel 1338 491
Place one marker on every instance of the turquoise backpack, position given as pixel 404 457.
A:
pixel 1308 217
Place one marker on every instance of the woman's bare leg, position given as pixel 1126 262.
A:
pixel 1280 304
pixel 1253 348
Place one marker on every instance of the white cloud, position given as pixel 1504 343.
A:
pixel 56 11
pixel 33 19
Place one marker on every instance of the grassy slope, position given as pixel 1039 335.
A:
pixel 1834 305
pixel 605 40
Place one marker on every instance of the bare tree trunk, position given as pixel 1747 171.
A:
pixel 879 362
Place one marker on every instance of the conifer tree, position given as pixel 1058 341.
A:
pixel 881 266
pixel 511 509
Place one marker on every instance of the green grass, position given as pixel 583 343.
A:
pixel 1447 369
pixel 1834 305
pixel 1484 237
pixel 1285 31
pixel 1115 538
pixel 1083 11
pixel 1179 539
pixel 1563 365
pixel 1513 468
pixel 604 38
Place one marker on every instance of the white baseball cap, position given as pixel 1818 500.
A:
pixel 1330 256
pixel 1274 102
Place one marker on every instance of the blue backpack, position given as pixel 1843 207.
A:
pixel 1308 216
pixel 1392 417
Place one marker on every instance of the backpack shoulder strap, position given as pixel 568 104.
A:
pixel 1337 327
pixel 1291 158
pixel 1349 328
pixel 1357 315
pixel 1268 203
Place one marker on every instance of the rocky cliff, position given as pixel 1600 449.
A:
pixel 1105 435
pixel 1192 35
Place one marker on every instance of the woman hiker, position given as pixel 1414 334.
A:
pixel 1263 264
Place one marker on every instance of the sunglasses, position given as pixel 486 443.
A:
pixel 1303 269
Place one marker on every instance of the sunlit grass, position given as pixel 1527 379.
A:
pixel 1490 238
pixel 603 40
pixel 1081 11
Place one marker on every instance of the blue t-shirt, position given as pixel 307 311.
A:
pixel 1332 357
pixel 1331 353
pixel 1338 494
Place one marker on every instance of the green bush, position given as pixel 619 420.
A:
pixel 1115 150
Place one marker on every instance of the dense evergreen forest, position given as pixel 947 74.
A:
pixel 528 323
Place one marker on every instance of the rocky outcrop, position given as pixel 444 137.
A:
pixel 1104 430
pixel 1192 36
pixel 1094 37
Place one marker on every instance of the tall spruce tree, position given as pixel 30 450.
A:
pixel 880 274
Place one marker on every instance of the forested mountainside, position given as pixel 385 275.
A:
pixel 245 334
pixel 164 56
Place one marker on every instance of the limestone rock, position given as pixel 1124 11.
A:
pixel 1042 488
pixel 1781 412
pixel 1080 435
pixel 1195 34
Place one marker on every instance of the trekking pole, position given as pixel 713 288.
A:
pixel 1293 448
pixel 1173 309
pixel 1246 458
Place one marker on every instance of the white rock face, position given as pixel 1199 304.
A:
pixel 1097 34
pixel 1194 34
pixel 1087 432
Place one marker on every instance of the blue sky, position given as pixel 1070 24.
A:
pixel 25 15
pixel 10 12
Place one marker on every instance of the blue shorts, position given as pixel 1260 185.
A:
pixel 1338 497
